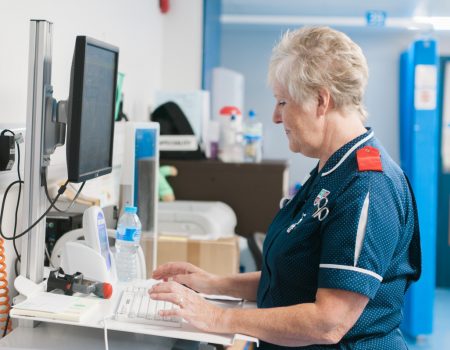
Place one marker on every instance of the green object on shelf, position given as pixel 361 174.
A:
pixel 120 77
pixel 166 193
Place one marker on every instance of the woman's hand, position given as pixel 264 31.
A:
pixel 188 275
pixel 192 307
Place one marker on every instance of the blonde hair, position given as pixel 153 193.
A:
pixel 313 58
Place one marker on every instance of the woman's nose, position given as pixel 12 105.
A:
pixel 276 117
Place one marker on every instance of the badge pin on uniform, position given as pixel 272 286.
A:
pixel 320 203
pixel 294 225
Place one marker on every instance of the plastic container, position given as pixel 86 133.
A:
pixel 230 142
pixel 253 138
pixel 128 236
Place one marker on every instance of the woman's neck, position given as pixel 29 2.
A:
pixel 339 130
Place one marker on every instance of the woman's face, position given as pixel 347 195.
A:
pixel 303 127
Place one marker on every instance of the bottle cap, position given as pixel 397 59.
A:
pixel 130 209
pixel 228 110
pixel 251 114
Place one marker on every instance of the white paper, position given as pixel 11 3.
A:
pixel 425 87
pixel 194 104
pixel 47 302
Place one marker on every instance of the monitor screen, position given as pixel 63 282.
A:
pixel 90 124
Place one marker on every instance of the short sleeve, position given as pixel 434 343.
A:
pixel 360 234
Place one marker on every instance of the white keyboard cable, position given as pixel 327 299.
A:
pixel 105 330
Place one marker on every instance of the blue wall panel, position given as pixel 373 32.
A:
pixel 211 39
pixel 419 134
pixel 442 242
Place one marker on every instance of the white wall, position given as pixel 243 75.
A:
pixel 135 27
pixel 183 45
pixel 247 49
pixel 146 38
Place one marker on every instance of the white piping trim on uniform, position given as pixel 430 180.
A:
pixel 284 201
pixel 346 155
pixel 361 232
pixel 352 268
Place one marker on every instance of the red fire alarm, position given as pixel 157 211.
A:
pixel 164 6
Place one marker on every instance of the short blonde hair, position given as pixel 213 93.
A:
pixel 313 58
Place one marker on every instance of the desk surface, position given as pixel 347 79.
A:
pixel 56 336
pixel 94 326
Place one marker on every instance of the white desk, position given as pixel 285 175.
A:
pixel 56 336
pixel 134 334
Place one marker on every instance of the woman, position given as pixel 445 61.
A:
pixel 340 255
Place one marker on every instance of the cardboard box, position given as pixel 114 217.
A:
pixel 219 256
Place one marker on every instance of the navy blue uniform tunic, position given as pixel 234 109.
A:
pixel 351 230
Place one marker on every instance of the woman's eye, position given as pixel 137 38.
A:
pixel 281 103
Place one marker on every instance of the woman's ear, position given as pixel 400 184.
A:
pixel 324 102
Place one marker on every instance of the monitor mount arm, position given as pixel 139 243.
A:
pixel 54 125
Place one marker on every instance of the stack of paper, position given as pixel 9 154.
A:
pixel 56 307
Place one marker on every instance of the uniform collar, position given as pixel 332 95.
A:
pixel 344 152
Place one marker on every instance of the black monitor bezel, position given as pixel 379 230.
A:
pixel 75 108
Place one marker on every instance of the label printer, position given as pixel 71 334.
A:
pixel 196 219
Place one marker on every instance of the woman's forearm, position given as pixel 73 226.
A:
pixel 243 285
pixel 325 321
pixel 298 325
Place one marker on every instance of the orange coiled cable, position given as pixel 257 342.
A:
pixel 4 291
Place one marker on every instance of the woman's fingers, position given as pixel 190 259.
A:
pixel 174 298
pixel 165 287
pixel 171 313
pixel 172 269
pixel 184 279
pixel 191 306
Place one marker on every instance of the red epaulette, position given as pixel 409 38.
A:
pixel 369 159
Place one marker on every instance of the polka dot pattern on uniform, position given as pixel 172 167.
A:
pixel 351 230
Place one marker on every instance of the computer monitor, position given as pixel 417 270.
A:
pixel 89 115
pixel 91 105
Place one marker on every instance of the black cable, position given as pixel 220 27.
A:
pixel 18 201
pixel 20 190
pixel 16 269
pixel 4 131
pixel 15 219
pixel 52 205
pixel 6 324
pixel 60 192
pixel 44 180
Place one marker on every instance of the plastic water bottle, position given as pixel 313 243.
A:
pixel 253 134
pixel 230 142
pixel 128 236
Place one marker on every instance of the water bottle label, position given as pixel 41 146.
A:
pixel 129 234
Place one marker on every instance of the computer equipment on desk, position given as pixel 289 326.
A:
pixel 140 173
pixel 196 219
pixel 136 306
pixel 57 225
pixel 91 256
pixel 86 117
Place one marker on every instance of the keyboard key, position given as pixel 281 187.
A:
pixel 136 306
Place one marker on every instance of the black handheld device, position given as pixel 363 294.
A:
pixel 75 283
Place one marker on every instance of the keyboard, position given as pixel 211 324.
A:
pixel 136 306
